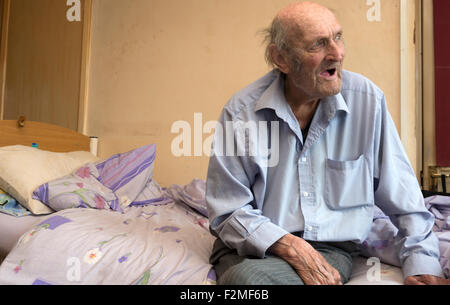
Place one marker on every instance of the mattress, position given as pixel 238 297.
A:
pixel 11 228
pixel 371 272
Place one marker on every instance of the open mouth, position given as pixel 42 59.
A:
pixel 329 72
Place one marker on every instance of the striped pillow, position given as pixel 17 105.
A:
pixel 113 183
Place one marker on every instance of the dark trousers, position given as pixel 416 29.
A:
pixel 232 269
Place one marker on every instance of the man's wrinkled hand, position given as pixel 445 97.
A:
pixel 426 280
pixel 309 264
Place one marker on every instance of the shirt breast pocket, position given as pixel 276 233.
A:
pixel 348 184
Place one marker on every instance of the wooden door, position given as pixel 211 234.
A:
pixel 43 78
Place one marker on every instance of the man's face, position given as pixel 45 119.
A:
pixel 315 61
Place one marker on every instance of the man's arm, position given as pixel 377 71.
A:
pixel 233 211
pixel 398 194
pixel 309 264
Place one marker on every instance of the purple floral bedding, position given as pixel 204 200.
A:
pixel 115 225
pixel 153 244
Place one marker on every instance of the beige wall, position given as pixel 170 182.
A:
pixel 154 62
pixel 429 139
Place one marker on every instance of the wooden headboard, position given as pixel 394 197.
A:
pixel 47 136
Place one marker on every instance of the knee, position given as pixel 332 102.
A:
pixel 244 275
pixel 258 273
pixel 236 275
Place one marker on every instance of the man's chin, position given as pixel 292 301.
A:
pixel 331 90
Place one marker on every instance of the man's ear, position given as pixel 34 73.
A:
pixel 279 59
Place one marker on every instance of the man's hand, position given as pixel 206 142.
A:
pixel 310 265
pixel 426 280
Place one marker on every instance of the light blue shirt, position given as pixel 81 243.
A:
pixel 326 186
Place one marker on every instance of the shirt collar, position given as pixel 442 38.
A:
pixel 273 97
pixel 334 104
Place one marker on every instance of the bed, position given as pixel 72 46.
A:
pixel 49 137
pixel 103 221
pixel 107 221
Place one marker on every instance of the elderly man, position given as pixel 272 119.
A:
pixel 338 154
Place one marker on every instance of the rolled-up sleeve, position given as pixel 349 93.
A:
pixel 235 217
pixel 398 194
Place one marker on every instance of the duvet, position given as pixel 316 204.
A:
pixel 144 245
pixel 113 224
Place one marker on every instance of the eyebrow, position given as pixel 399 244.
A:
pixel 339 32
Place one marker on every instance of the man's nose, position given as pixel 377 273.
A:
pixel 336 51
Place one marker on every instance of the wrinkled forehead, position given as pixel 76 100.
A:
pixel 305 26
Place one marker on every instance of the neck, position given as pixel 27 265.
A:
pixel 303 106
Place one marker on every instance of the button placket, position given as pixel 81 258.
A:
pixel 307 195
pixel 305 177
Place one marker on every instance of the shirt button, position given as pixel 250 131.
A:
pixel 304 160
pixel 310 228
pixel 305 194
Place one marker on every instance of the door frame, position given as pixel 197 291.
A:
pixel 85 64
pixel 3 52
pixel 428 93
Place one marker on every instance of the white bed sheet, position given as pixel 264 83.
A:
pixel 366 273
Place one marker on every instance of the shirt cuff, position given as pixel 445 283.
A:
pixel 262 238
pixel 420 264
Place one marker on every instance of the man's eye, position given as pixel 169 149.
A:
pixel 319 44
pixel 338 37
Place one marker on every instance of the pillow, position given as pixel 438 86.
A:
pixel 24 168
pixel 113 183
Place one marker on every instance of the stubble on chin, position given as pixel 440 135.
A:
pixel 316 88
pixel 331 88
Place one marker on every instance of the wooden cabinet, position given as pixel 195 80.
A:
pixel 45 52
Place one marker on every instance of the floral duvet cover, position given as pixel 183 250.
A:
pixel 143 245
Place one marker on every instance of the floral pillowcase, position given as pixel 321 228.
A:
pixel 109 184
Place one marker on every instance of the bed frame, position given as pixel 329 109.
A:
pixel 46 136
